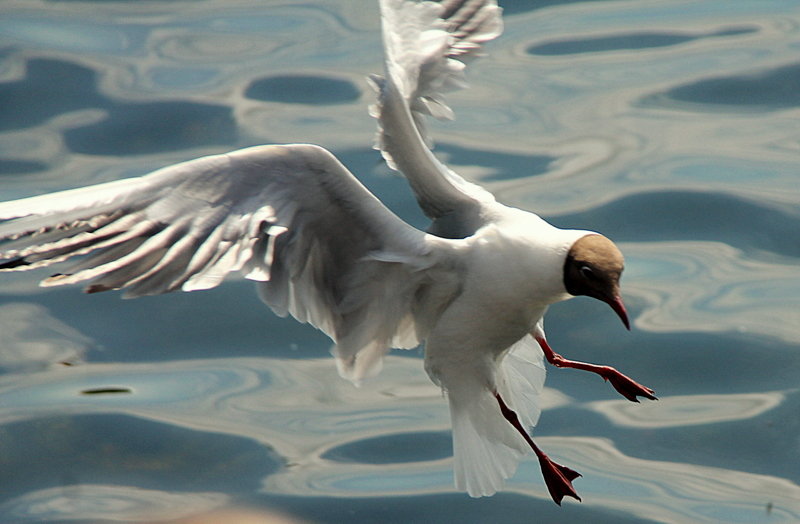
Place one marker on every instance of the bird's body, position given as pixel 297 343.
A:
pixel 474 288
pixel 507 283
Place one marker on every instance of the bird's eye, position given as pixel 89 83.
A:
pixel 588 273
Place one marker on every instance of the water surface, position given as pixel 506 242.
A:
pixel 671 126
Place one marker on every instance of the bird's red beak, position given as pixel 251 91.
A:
pixel 619 308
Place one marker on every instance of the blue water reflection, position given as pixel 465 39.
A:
pixel 633 41
pixel 669 125
pixel 301 89
pixel 773 89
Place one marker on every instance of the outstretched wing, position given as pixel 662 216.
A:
pixel 427 45
pixel 325 249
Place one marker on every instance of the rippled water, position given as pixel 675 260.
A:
pixel 672 126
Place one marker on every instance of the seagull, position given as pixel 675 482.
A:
pixel 473 288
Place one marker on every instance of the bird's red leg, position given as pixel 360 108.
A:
pixel 625 385
pixel 558 478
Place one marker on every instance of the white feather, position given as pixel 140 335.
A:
pixel 486 448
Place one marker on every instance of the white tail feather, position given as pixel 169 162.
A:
pixel 486 447
pixel 520 380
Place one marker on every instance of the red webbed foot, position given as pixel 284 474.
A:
pixel 627 387
pixel 558 479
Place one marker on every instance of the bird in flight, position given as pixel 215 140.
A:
pixel 473 288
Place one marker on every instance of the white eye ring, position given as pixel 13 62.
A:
pixel 588 273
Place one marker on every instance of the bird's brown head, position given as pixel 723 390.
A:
pixel 593 268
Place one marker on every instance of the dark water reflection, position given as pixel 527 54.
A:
pixel 769 90
pixel 116 449
pixel 713 217
pixel 127 129
pixel 671 127
pixel 301 89
pixel 409 447
pixel 632 41
pixel 20 166
pixel 32 100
